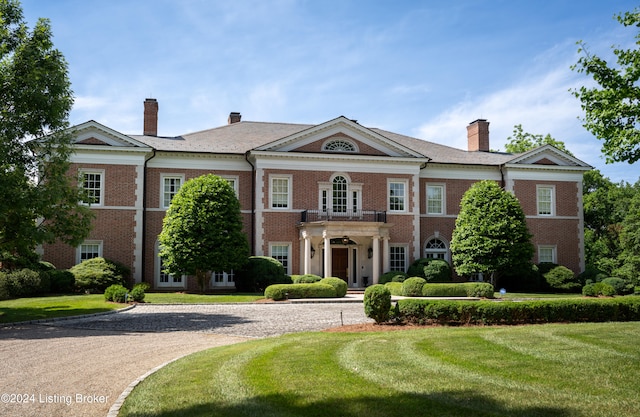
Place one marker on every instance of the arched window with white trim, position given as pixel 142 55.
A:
pixel 436 248
pixel 340 196
pixel 339 145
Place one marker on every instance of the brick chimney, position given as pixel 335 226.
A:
pixel 150 117
pixel 478 136
pixel 234 117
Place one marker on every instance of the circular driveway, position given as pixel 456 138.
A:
pixel 79 367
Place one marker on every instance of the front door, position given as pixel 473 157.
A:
pixel 340 263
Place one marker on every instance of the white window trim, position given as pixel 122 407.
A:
pixel 235 179
pixel 287 269
pixel 553 200
pixel 406 194
pixel 83 171
pixel 427 251
pixel 225 280
pixel 162 178
pixel 289 179
pixel 158 266
pixel 88 242
pixel 340 139
pixel 443 205
pixel 554 253
pixel 351 188
pixel 406 255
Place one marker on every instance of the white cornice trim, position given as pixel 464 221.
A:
pixel 113 137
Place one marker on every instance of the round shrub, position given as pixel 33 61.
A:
pixel 392 276
pixel 4 287
pixel 305 279
pixel 283 291
pixel 597 289
pixel 444 290
pixel 412 287
pixel 137 292
pixel 377 303
pixel 116 293
pixel 437 270
pixel 416 269
pixel 618 284
pixel 562 278
pixel 61 281
pixel 258 273
pixel 23 282
pixel 338 284
pixel 96 274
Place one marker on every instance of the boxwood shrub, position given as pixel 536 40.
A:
pixel 597 289
pixel 305 279
pixel 377 303
pixel 96 274
pixel 116 293
pixel 283 291
pixel 259 272
pixel 526 312
pixel 619 285
pixel 395 288
pixel 392 276
pixel 338 284
pixel 412 287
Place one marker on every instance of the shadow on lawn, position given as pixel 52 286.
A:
pixel 441 404
pixel 21 314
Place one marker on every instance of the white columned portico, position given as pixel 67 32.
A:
pixel 385 254
pixel 327 255
pixel 376 259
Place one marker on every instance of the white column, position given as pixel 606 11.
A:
pixel 376 260
pixel 307 253
pixel 385 254
pixel 327 255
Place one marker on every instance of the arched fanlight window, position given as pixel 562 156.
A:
pixel 339 145
pixel 436 249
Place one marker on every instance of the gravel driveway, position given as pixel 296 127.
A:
pixel 79 367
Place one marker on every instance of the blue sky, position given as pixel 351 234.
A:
pixel 421 68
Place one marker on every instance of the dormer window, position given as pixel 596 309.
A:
pixel 339 145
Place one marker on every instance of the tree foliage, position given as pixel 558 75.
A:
pixel 524 141
pixel 202 230
pixel 490 235
pixel 38 201
pixel 612 108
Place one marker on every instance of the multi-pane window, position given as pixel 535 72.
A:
pixel 397 258
pixel 435 199
pixel 280 252
pixel 339 194
pixel 221 278
pixel 170 187
pixel 339 145
pixel 547 254
pixel 435 249
pixel 279 192
pixel 92 185
pixel 397 196
pixel 89 250
pixel 545 200
pixel 167 279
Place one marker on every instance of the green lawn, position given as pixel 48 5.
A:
pixel 35 308
pixel 25 309
pixel 542 370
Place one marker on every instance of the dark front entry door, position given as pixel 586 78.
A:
pixel 340 263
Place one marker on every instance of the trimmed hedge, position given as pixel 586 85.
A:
pixel 377 303
pixel 283 291
pixel 392 276
pixel 511 312
pixel 412 287
pixel 598 289
pixel 338 284
pixel 305 279
pixel 395 288
pixel 116 293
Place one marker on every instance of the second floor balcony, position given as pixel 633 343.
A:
pixel 376 216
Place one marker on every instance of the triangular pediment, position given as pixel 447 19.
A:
pixel 340 136
pixel 548 155
pixel 96 134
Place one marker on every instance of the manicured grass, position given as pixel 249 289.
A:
pixel 25 309
pixel 544 370
pixel 182 298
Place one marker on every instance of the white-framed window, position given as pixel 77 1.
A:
pixel 233 182
pixel 164 279
pixel 170 185
pixel 88 249
pixel 476 277
pixel 546 196
pixel 280 192
pixel 340 196
pixel 339 145
pixel 397 195
pixel 222 279
pixel 398 257
pixel 92 182
pixel 435 199
pixel 282 253
pixel 436 248
pixel 547 253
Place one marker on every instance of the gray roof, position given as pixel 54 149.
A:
pixel 238 138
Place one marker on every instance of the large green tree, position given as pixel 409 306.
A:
pixel 202 230
pixel 490 235
pixel 38 201
pixel 522 141
pixel 612 108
